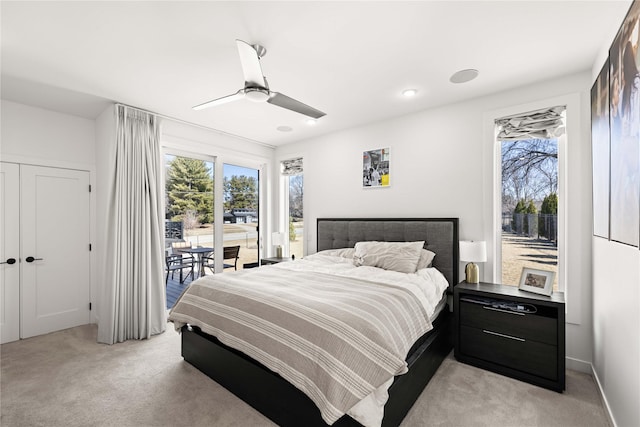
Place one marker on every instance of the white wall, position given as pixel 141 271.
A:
pixel 32 135
pixel 46 137
pixel 105 155
pixel 440 168
pixel 616 328
pixel 616 313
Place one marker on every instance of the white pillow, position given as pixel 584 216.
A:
pixel 426 258
pixel 397 256
pixel 343 252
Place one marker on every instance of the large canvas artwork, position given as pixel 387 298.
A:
pixel 600 152
pixel 625 135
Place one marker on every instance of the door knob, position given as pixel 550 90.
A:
pixel 31 259
pixel 9 261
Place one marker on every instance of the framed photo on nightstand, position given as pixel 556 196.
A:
pixel 537 281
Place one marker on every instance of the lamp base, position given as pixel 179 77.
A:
pixel 472 273
pixel 278 251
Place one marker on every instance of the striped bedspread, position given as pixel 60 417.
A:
pixel 335 336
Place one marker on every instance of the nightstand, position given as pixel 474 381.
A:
pixel 511 332
pixel 273 260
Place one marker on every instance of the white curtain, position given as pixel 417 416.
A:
pixel 546 123
pixel 133 303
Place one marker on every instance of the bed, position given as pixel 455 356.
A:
pixel 284 403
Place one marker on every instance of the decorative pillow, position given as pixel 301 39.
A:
pixel 397 256
pixel 426 258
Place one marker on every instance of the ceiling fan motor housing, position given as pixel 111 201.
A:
pixel 256 94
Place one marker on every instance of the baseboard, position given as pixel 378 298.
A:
pixel 612 421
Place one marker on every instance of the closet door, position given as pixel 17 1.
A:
pixel 55 267
pixel 9 252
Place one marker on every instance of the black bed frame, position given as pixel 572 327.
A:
pixel 283 403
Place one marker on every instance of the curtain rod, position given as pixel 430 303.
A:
pixel 264 144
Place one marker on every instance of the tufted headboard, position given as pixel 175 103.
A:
pixel 440 236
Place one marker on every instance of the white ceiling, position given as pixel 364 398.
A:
pixel 348 59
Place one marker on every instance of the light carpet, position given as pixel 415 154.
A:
pixel 67 379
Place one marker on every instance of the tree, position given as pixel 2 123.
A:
pixel 296 186
pixel 531 208
pixel 550 204
pixel 522 209
pixel 546 222
pixel 189 187
pixel 240 192
pixel 529 169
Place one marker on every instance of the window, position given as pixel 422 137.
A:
pixel 293 192
pixel 241 226
pixel 529 190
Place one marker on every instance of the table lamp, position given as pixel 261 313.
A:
pixel 278 240
pixel 472 252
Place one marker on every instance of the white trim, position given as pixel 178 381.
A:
pixel 605 402
pixel 35 161
pixel 281 218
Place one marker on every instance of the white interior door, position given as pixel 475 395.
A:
pixel 9 252
pixel 55 262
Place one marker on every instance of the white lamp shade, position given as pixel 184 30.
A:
pixel 277 239
pixel 471 251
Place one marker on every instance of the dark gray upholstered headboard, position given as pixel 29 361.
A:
pixel 440 236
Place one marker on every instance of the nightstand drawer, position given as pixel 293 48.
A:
pixel 510 350
pixel 536 327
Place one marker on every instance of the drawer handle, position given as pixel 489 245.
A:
pixel 502 311
pixel 503 335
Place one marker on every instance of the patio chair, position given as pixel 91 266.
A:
pixel 229 252
pixel 179 262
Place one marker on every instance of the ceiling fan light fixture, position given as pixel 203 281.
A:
pixel 256 94
pixel 464 76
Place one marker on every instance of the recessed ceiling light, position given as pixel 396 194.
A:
pixel 284 128
pixel 464 76
pixel 409 92
pixel 311 122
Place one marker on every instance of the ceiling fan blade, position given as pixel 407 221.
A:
pixel 284 101
pixel 238 95
pixel 251 68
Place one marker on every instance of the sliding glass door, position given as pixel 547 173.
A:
pixel 189 213
pixel 189 221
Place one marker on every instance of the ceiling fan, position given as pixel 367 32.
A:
pixel 256 88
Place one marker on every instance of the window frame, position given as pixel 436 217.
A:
pixel 568 266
